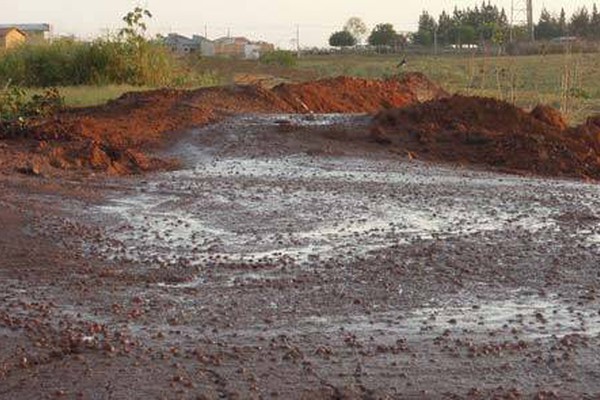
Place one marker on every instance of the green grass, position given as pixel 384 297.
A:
pixel 83 96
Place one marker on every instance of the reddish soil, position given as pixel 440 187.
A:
pixel 115 137
pixel 488 132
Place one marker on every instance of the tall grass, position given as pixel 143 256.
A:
pixel 103 61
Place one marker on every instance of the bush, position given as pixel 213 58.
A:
pixel 67 62
pixel 282 58
pixel 16 109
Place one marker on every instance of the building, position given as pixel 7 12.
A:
pixel 183 45
pixel 233 47
pixel 240 47
pixel 11 37
pixel 35 32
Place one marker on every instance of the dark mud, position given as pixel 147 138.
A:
pixel 312 268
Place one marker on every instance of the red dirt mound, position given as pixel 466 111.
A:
pixel 481 131
pixel 113 137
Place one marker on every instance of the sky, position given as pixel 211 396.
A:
pixel 270 20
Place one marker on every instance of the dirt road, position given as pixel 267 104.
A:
pixel 284 261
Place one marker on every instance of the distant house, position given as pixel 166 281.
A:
pixel 183 45
pixel 11 37
pixel 34 32
pixel 240 47
pixel 234 47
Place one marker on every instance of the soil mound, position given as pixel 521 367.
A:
pixel 354 95
pixel 106 138
pixel 482 131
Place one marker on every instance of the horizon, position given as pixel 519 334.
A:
pixel 277 27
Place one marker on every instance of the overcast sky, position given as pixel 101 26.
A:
pixel 271 20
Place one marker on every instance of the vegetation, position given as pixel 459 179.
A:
pixel 16 108
pixel 342 39
pixel 384 35
pixel 357 28
pixel 282 58
pixel 126 59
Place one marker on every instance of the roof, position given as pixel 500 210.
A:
pixel 228 39
pixel 27 27
pixel 5 31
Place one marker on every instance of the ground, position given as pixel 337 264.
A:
pixel 291 257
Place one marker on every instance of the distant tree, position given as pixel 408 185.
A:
pixel 595 23
pixel 466 35
pixel 548 26
pixel 383 35
pixel 427 28
pixel 580 23
pixel 342 39
pixel 562 23
pixel 357 28
pixel 445 29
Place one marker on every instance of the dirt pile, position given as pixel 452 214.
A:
pixel 346 95
pixel 114 137
pixel 488 132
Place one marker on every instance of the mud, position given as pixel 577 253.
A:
pixel 324 266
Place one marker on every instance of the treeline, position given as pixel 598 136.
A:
pixel 468 26
pixel 489 24
pixel 582 24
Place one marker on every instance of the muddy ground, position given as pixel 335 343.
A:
pixel 320 266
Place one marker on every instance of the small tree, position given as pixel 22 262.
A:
pixel 342 39
pixel 357 28
pixel 383 35
pixel 135 30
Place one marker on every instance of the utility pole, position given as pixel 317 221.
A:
pixel 530 19
pixel 298 40
pixel 206 31
pixel 521 15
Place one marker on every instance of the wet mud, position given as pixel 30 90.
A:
pixel 319 267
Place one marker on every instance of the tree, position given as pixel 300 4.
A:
pixel 562 23
pixel 383 35
pixel 427 29
pixel 135 29
pixel 342 39
pixel 580 23
pixel 595 23
pixel 357 28
pixel 548 27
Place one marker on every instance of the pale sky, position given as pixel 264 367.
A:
pixel 270 20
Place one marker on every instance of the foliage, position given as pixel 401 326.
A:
pixel 427 28
pixel 357 28
pixel 127 58
pixel 342 39
pixel 383 35
pixel 16 108
pixel 283 58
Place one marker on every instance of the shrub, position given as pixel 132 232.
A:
pixel 282 58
